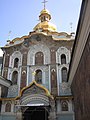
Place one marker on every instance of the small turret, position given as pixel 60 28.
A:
pixel 45 25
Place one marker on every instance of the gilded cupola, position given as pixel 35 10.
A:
pixel 45 25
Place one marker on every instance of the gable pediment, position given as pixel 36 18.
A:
pixel 35 94
pixel 33 90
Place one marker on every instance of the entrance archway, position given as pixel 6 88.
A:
pixel 36 113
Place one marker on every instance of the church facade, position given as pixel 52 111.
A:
pixel 34 75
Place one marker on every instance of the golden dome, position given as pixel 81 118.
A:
pixel 45 11
pixel 45 26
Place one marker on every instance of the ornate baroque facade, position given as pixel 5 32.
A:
pixel 35 69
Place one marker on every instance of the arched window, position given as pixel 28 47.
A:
pixel 38 76
pixel 53 75
pixel 14 77
pixel 16 61
pixel 64 106
pixel 8 107
pixel 63 59
pixel 64 74
pixel 39 58
pixel 53 78
pixel 44 18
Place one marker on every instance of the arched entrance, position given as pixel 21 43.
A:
pixel 36 113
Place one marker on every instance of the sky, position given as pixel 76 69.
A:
pixel 19 17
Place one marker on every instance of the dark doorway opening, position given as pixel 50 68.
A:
pixel 36 113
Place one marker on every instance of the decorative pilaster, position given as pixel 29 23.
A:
pixel 19 116
pixel 52 115
pixel 18 111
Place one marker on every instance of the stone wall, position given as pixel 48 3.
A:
pixel 81 86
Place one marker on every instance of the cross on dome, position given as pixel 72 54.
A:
pixel 44 17
pixel 44 2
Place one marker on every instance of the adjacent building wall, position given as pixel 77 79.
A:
pixel 79 72
pixel 81 86
pixel 1 59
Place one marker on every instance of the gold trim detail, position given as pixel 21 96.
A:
pixel 22 90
